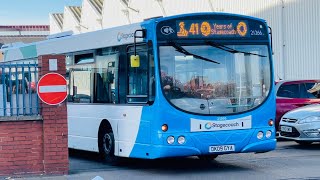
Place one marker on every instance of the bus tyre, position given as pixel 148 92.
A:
pixel 106 146
pixel 304 143
pixel 208 157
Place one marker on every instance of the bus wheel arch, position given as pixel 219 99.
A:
pixel 106 142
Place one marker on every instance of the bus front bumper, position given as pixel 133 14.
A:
pixel 206 143
pixel 163 151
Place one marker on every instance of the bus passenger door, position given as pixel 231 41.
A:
pixel 134 128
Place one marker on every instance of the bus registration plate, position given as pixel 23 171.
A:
pixel 222 148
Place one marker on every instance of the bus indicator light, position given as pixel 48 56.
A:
pixel 164 128
pixel 270 122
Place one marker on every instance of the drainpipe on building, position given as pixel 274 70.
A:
pixel 283 47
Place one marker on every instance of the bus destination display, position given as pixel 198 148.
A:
pixel 218 29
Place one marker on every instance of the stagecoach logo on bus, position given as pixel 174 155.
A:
pixel 217 125
pixel 124 36
pixel 210 125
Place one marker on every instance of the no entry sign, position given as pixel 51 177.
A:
pixel 52 88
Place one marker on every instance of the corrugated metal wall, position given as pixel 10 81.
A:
pixel 70 22
pixel 90 18
pixel 302 39
pixel 296 37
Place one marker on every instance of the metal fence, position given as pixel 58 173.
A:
pixel 18 89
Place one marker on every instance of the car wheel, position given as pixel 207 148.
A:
pixel 106 146
pixel 304 143
pixel 208 157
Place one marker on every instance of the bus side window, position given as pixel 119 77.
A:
pixel 101 94
pixel 106 71
pixel 81 84
pixel 138 83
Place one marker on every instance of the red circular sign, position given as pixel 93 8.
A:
pixel 52 88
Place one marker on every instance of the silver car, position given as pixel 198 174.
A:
pixel 301 125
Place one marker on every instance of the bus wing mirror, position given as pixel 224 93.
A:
pixel 135 61
pixel 270 33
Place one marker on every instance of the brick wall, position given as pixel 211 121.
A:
pixel 55 133
pixel 39 144
pixel 55 125
pixel 21 145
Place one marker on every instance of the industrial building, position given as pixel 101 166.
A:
pixel 296 41
pixel 22 34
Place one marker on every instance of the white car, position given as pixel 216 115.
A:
pixel 301 125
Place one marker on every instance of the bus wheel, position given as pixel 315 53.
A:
pixel 208 157
pixel 106 146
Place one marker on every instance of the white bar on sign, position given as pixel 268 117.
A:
pixel 52 89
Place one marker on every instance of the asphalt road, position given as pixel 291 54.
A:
pixel 288 161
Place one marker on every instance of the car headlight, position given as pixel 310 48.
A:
pixel 309 119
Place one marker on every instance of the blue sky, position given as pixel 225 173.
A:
pixel 31 12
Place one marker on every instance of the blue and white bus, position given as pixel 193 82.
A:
pixel 187 85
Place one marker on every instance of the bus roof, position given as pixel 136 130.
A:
pixel 66 43
pixel 211 13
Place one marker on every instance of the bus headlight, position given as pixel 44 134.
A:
pixel 268 134
pixel 260 135
pixel 170 140
pixel 181 140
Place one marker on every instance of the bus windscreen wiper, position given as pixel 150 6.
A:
pixel 230 50
pixel 184 51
